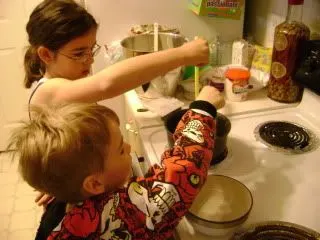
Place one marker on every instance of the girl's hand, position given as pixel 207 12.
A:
pixel 195 52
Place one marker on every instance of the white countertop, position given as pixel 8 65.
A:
pixel 256 101
pixel 260 169
pixel 268 166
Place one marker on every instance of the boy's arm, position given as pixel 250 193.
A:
pixel 186 164
pixel 158 202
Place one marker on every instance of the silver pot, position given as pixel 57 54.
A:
pixel 143 44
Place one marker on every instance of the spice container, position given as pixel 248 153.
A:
pixel 242 53
pixel 215 77
pixel 288 40
pixel 237 84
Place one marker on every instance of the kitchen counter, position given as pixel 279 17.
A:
pixel 257 101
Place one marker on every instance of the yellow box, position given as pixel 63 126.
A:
pixel 230 9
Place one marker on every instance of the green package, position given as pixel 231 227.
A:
pixel 230 9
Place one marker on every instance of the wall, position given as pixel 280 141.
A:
pixel 116 18
pixel 263 15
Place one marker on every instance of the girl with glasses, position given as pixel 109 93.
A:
pixel 62 37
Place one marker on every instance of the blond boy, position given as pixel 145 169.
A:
pixel 76 153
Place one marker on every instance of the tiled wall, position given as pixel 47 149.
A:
pixel 263 15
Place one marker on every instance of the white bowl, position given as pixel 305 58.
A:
pixel 221 207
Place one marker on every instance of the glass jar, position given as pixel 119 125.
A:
pixel 237 84
pixel 289 37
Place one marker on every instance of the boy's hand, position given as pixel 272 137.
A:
pixel 211 95
pixel 196 52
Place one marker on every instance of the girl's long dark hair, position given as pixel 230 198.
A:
pixel 52 24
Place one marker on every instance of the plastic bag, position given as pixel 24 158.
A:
pixel 113 52
pixel 261 63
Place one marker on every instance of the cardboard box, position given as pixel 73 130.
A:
pixel 230 9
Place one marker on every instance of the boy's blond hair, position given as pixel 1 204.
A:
pixel 62 145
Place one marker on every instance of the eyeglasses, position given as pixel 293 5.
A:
pixel 83 57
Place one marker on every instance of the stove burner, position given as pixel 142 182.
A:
pixel 276 230
pixel 285 136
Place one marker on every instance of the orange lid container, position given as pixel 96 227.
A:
pixel 237 74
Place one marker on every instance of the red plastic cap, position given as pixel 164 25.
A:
pixel 296 2
pixel 237 74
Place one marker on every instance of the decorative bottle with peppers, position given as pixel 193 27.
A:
pixel 289 37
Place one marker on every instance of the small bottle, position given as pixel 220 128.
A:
pixel 289 37
pixel 214 51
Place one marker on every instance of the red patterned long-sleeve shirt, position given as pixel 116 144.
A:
pixel 149 207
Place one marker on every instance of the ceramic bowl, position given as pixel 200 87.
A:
pixel 221 207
